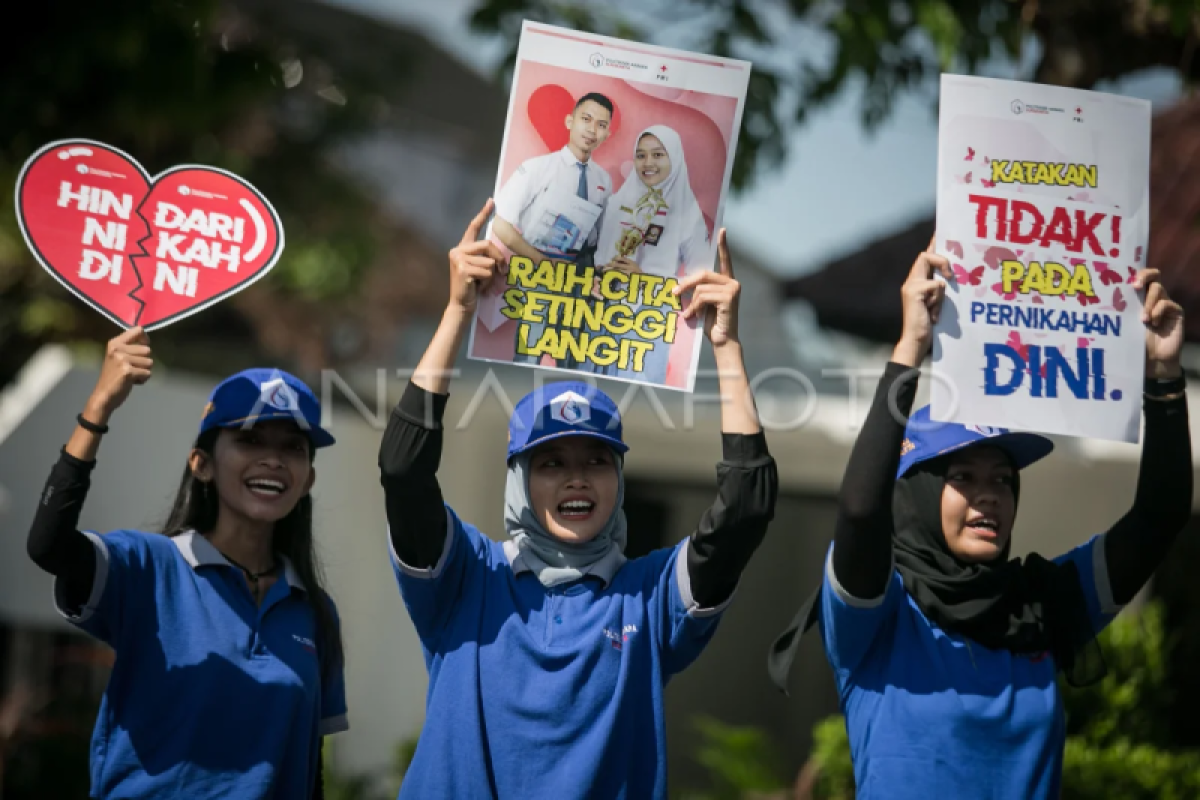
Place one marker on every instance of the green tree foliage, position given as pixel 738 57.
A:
pixel 885 48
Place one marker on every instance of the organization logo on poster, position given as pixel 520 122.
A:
pixel 596 60
pixel 1018 107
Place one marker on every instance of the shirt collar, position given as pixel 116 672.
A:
pixel 199 552
pixel 569 158
pixel 605 569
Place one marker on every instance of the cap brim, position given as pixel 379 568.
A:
pixel 318 435
pixel 1023 448
pixel 611 441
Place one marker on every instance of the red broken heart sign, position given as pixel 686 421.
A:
pixel 140 250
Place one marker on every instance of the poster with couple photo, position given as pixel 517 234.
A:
pixel 611 186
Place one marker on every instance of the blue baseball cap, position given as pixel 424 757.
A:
pixel 255 395
pixel 925 439
pixel 566 408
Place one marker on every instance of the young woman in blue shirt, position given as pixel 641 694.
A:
pixel 945 650
pixel 548 653
pixel 228 668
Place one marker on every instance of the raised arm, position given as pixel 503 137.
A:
pixel 1139 542
pixel 747 480
pixel 862 542
pixel 411 450
pixel 55 544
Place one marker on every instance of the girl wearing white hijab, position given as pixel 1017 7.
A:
pixel 548 653
pixel 653 224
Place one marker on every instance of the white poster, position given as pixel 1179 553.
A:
pixel 1043 210
pixel 611 187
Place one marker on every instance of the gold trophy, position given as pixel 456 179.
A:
pixel 643 214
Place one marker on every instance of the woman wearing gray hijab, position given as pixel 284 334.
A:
pixel 548 653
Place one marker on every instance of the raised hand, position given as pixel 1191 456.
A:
pixel 922 295
pixel 127 363
pixel 1163 318
pixel 716 293
pixel 473 263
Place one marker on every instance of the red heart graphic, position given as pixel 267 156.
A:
pixel 548 108
pixel 141 250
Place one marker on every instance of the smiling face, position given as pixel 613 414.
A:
pixel 260 473
pixel 573 484
pixel 651 161
pixel 978 504
pixel 588 124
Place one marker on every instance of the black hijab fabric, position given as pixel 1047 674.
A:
pixel 1028 606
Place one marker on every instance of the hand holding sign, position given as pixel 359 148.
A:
pixel 922 295
pixel 143 251
pixel 1164 326
pixel 127 363
pixel 717 293
pixel 473 263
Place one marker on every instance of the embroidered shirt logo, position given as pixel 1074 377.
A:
pixel 306 643
pixel 570 408
pixel 278 394
pixel 618 639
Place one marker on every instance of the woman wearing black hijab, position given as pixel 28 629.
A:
pixel 944 649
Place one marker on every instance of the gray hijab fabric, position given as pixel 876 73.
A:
pixel 553 561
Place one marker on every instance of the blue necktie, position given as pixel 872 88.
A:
pixel 582 190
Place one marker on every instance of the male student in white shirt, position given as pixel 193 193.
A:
pixel 552 205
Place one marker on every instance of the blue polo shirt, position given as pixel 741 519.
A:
pixel 539 692
pixel 931 714
pixel 211 695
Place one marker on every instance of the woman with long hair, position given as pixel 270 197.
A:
pixel 548 654
pixel 228 667
pixel 945 649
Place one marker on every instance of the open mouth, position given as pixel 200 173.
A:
pixel 576 509
pixel 266 487
pixel 987 527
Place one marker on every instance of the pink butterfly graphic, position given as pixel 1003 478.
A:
pixel 1037 298
pixel 1132 275
pixel 967 179
pixel 954 248
pixel 1107 276
pixel 1014 341
pixel 1085 300
pixel 987 184
pixel 1137 255
pixel 986 160
pixel 1084 341
pixel 998 288
pixel 972 278
pixel 970 154
pixel 994 255
pixel 1119 300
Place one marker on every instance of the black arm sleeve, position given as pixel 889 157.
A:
pixel 409 456
pixel 1139 542
pixel 732 528
pixel 862 539
pixel 55 543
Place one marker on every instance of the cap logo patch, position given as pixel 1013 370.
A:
pixel 907 447
pixel 570 408
pixel 277 394
pixel 984 430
